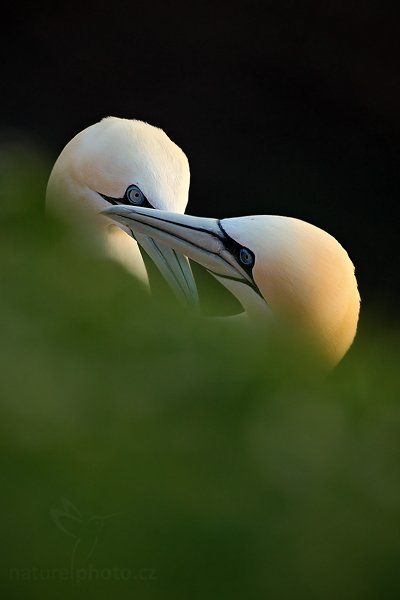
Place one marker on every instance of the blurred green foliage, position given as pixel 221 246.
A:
pixel 147 454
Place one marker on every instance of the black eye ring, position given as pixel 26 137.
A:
pixel 246 257
pixel 134 195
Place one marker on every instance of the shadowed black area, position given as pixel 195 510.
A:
pixel 282 107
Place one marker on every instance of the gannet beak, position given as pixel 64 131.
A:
pixel 174 267
pixel 201 239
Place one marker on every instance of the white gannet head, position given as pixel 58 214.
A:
pixel 124 161
pixel 304 274
pixel 274 264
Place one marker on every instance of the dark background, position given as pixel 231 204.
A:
pixel 223 458
pixel 282 107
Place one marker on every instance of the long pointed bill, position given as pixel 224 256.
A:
pixel 203 240
pixel 174 267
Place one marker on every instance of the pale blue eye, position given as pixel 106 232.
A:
pixel 246 257
pixel 134 195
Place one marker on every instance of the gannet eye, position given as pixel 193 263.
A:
pixel 134 195
pixel 246 257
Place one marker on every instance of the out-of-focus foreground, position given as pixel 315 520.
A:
pixel 147 454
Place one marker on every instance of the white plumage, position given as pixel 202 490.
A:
pixel 277 267
pixel 274 265
pixel 95 170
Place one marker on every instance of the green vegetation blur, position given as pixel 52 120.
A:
pixel 149 454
